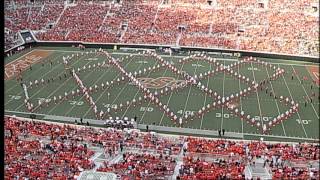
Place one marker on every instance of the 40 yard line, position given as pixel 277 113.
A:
pixel 240 99
pixel 170 97
pixel 123 88
pixel 224 75
pixel 254 78
pixel 205 98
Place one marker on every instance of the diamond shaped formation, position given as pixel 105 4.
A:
pixel 135 78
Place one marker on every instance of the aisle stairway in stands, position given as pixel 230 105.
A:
pixel 257 170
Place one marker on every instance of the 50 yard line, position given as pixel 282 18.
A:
pixel 150 100
pixel 136 95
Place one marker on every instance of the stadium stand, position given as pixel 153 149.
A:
pixel 49 150
pixel 281 27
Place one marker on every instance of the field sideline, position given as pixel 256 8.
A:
pixel 304 124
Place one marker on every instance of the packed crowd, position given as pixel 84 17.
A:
pixel 21 15
pixel 284 27
pixel 308 152
pixel 142 166
pixel 51 157
pixel 46 150
pixel 193 168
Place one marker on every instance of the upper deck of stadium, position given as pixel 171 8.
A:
pixel 290 27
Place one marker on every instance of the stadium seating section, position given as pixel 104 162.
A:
pixel 59 151
pixel 283 27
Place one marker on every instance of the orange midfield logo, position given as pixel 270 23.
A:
pixel 161 82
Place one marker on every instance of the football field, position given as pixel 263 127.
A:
pixel 124 99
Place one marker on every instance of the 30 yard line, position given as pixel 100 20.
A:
pixel 276 103
pixel 224 75
pixel 53 108
pixel 205 99
pixel 257 95
pixel 306 94
pixel 240 99
pixel 285 82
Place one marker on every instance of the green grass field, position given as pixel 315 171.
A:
pixel 304 124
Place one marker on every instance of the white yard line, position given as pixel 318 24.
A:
pixel 254 78
pixel 186 103
pixel 135 95
pixel 150 101
pixel 121 91
pixel 285 82
pixel 284 131
pixel 93 83
pixel 205 98
pixel 39 88
pixel 307 95
pixel 224 75
pixel 170 97
pixel 53 108
pixel 107 88
pixel 240 98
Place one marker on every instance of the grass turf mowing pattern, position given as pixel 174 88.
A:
pixel 184 101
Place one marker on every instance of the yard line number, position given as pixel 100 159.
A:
pixel 254 69
pixel 76 103
pixel 13 97
pixel 303 121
